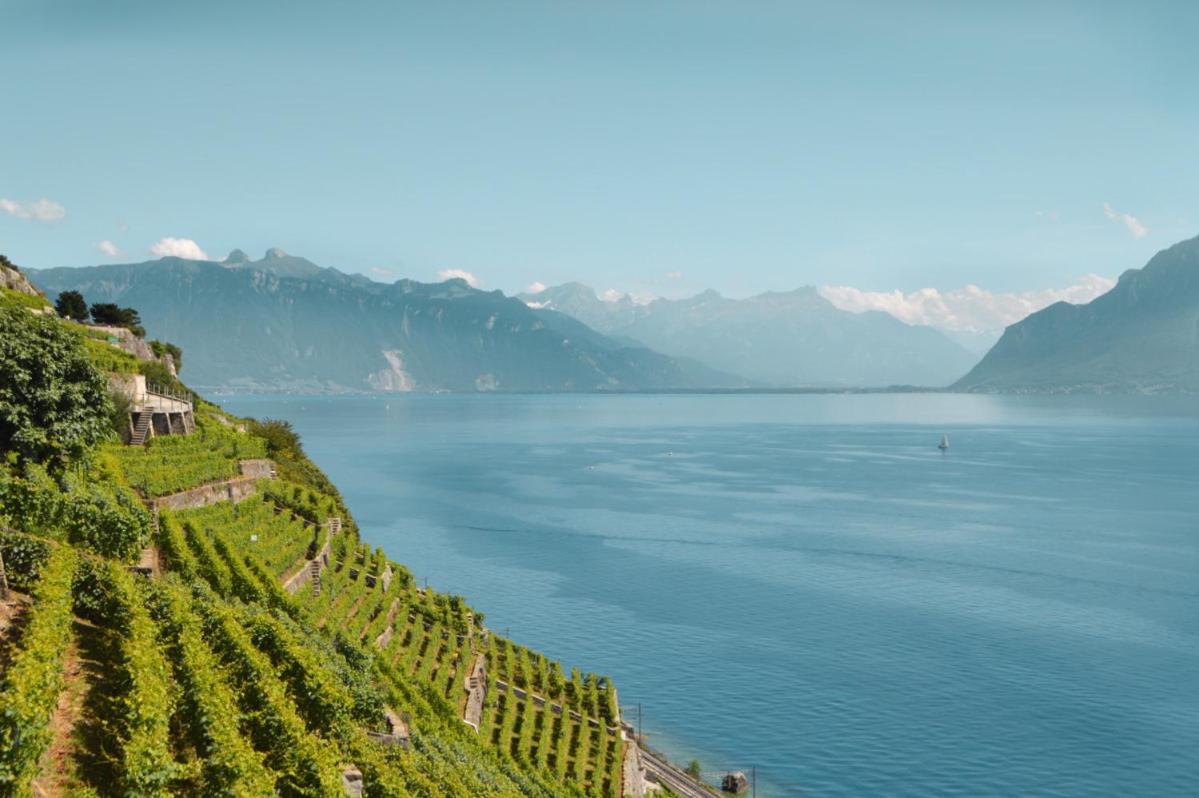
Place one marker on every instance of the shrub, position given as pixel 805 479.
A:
pixel 54 404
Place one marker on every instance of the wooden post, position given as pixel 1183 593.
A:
pixel 3 578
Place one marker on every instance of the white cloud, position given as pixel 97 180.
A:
pixel 611 295
pixel 178 248
pixel 970 309
pixel 42 210
pixel 110 249
pixel 1133 224
pixel 675 275
pixel 379 271
pixel 460 274
pixel 535 287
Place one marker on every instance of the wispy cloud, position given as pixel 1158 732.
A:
pixel 1133 224
pixel 535 287
pixel 110 249
pixel 459 274
pixel 382 273
pixel 970 309
pixel 43 210
pixel 178 248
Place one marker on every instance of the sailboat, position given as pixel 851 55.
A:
pixel 944 444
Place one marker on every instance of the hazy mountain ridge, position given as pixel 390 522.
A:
pixel 1142 336
pixel 284 323
pixel 778 339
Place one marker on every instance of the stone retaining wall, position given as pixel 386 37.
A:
pixel 235 490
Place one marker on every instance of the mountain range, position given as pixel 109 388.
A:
pixel 283 323
pixel 1142 337
pixel 777 339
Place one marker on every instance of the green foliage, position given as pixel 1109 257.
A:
pixel 24 557
pixel 71 305
pixel 158 374
pixel 54 405
pixel 281 438
pixel 96 515
pixel 305 765
pixel 116 316
pixel 33 680
pixel 19 299
pixel 161 348
pixel 230 766
pixel 173 463
pixel 109 359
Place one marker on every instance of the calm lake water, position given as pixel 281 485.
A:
pixel 806 585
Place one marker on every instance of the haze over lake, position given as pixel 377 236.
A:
pixel 805 584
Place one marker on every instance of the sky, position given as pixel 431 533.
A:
pixel 660 148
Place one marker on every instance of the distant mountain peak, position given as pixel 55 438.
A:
pixel 274 253
pixel 1138 337
pixel 237 257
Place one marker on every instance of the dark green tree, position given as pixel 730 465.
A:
pixel 117 316
pixel 693 769
pixel 71 305
pixel 8 264
pixel 54 405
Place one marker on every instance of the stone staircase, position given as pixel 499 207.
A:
pixel 314 568
pixel 141 430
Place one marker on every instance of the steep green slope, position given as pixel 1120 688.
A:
pixel 269 651
pixel 1142 336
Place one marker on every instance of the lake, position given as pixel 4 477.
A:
pixel 804 584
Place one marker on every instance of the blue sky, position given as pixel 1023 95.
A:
pixel 656 147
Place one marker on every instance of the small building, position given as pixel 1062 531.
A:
pixel 153 410
pixel 735 782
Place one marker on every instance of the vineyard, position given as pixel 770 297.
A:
pixel 170 464
pixel 215 672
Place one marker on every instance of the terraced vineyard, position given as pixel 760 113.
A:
pixel 174 463
pixel 271 651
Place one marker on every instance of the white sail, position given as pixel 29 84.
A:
pixel 944 444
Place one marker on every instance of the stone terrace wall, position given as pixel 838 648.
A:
pixel 234 490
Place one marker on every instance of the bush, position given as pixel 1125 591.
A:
pixel 54 404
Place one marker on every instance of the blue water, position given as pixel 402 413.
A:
pixel 806 585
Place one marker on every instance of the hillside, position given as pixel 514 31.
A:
pixel 786 339
pixel 285 324
pixel 1142 336
pixel 200 616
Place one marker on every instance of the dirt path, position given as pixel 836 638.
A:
pixel 56 771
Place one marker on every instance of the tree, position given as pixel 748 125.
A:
pixel 282 440
pixel 70 305
pixel 8 264
pixel 54 405
pixel 117 316
pixel 694 770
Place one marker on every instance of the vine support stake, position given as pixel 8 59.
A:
pixel 3 578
